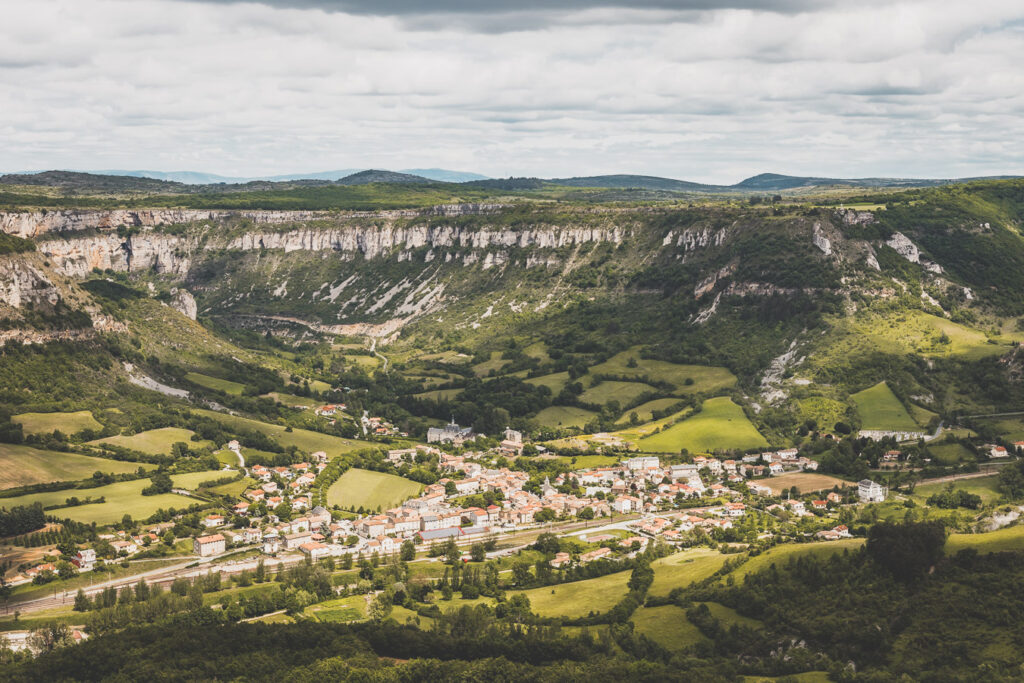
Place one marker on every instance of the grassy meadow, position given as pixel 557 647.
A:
pixel 702 378
pixel 47 423
pixel 358 488
pixel 880 409
pixel 579 598
pixel 720 425
pixel 22 466
pixel 303 439
pixel 121 498
pixel 216 383
pixel 154 441
pixel 564 416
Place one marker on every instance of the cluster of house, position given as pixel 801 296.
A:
pixel 378 426
pixel 297 480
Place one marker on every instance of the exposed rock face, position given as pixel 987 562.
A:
pixel 696 238
pixel 21 283
pixel 908 250
pixel 820 241
pixel 77 256
pixel 851 217
pixel 36 223
pixel 183 301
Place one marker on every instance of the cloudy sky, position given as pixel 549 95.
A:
pixel 707 90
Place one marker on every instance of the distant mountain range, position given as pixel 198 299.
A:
pixel 198 178
pixel 192 182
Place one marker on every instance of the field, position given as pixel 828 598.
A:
pixel 667 626
pixel 918 332
pixel 583 462
pixel 781 554
pixel 292 400
pixel 579 598
pixel 729 616
pixel 951 453
pixel 805 482
pixel 554 381
pixel 986 487
pixel 358 488
pixel 438 395
pixel 682 569
pixel 303 439
pixel 1010 427
pixel 46 423
pixel 154 441
pixel 720 425
pixel 880 409
pixel 1004 540
pixel 121 498
pixel 623 392
pixel 564 416
pixel 825 411
pixel 495 363
pixel 216 383
pixel 644 410
pixel 352 608
pixel 704 378
pixel 21 466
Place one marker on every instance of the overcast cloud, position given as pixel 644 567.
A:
pixel 702 90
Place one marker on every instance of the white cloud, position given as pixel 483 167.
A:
pixel 882 88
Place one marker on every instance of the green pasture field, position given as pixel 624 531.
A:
pixel 47 423
pixel 564 416
pixel 706 379
pixel 22 466
pixel 555 381
pixel 728 616
pixel 986 487
pixel 303 439
pixel 585 462
pixel 496 363
pixel 122 498
pixel 684 568
pixel 367 489
pixel 623 392
pixel 1007 539
pixel 880 409
pixel 720 425
pixel 293 400
pixel 216 383
pixel 1011 428
pixel 579 598
pixel 951 453
pixel 538 350
pixel 668 626
pixel 352 608
pixel 780 554
pixel 825 411
pixel 438 395
pixel 644 410
pixel 154 441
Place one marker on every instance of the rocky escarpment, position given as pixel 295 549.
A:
pixel 30 224
pixel 23 283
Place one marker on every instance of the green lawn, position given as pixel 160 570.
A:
pixel 367 489
pixel 554 381
pixel 668 626
pixel 880 409
pixel 121 498
pixel 496 363
pixel 216 383
pixel 154 441
pixel 584 462
pixel 720 425
pixel 303 439
pixel 684 568
pixel 564 416
pixel 1008 539
pixel 705 378
pixel 623 392
pixel 22 466
pixel 46 423
pixel 644 410
pixel 579 598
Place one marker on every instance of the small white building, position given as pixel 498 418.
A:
pixel 871 492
